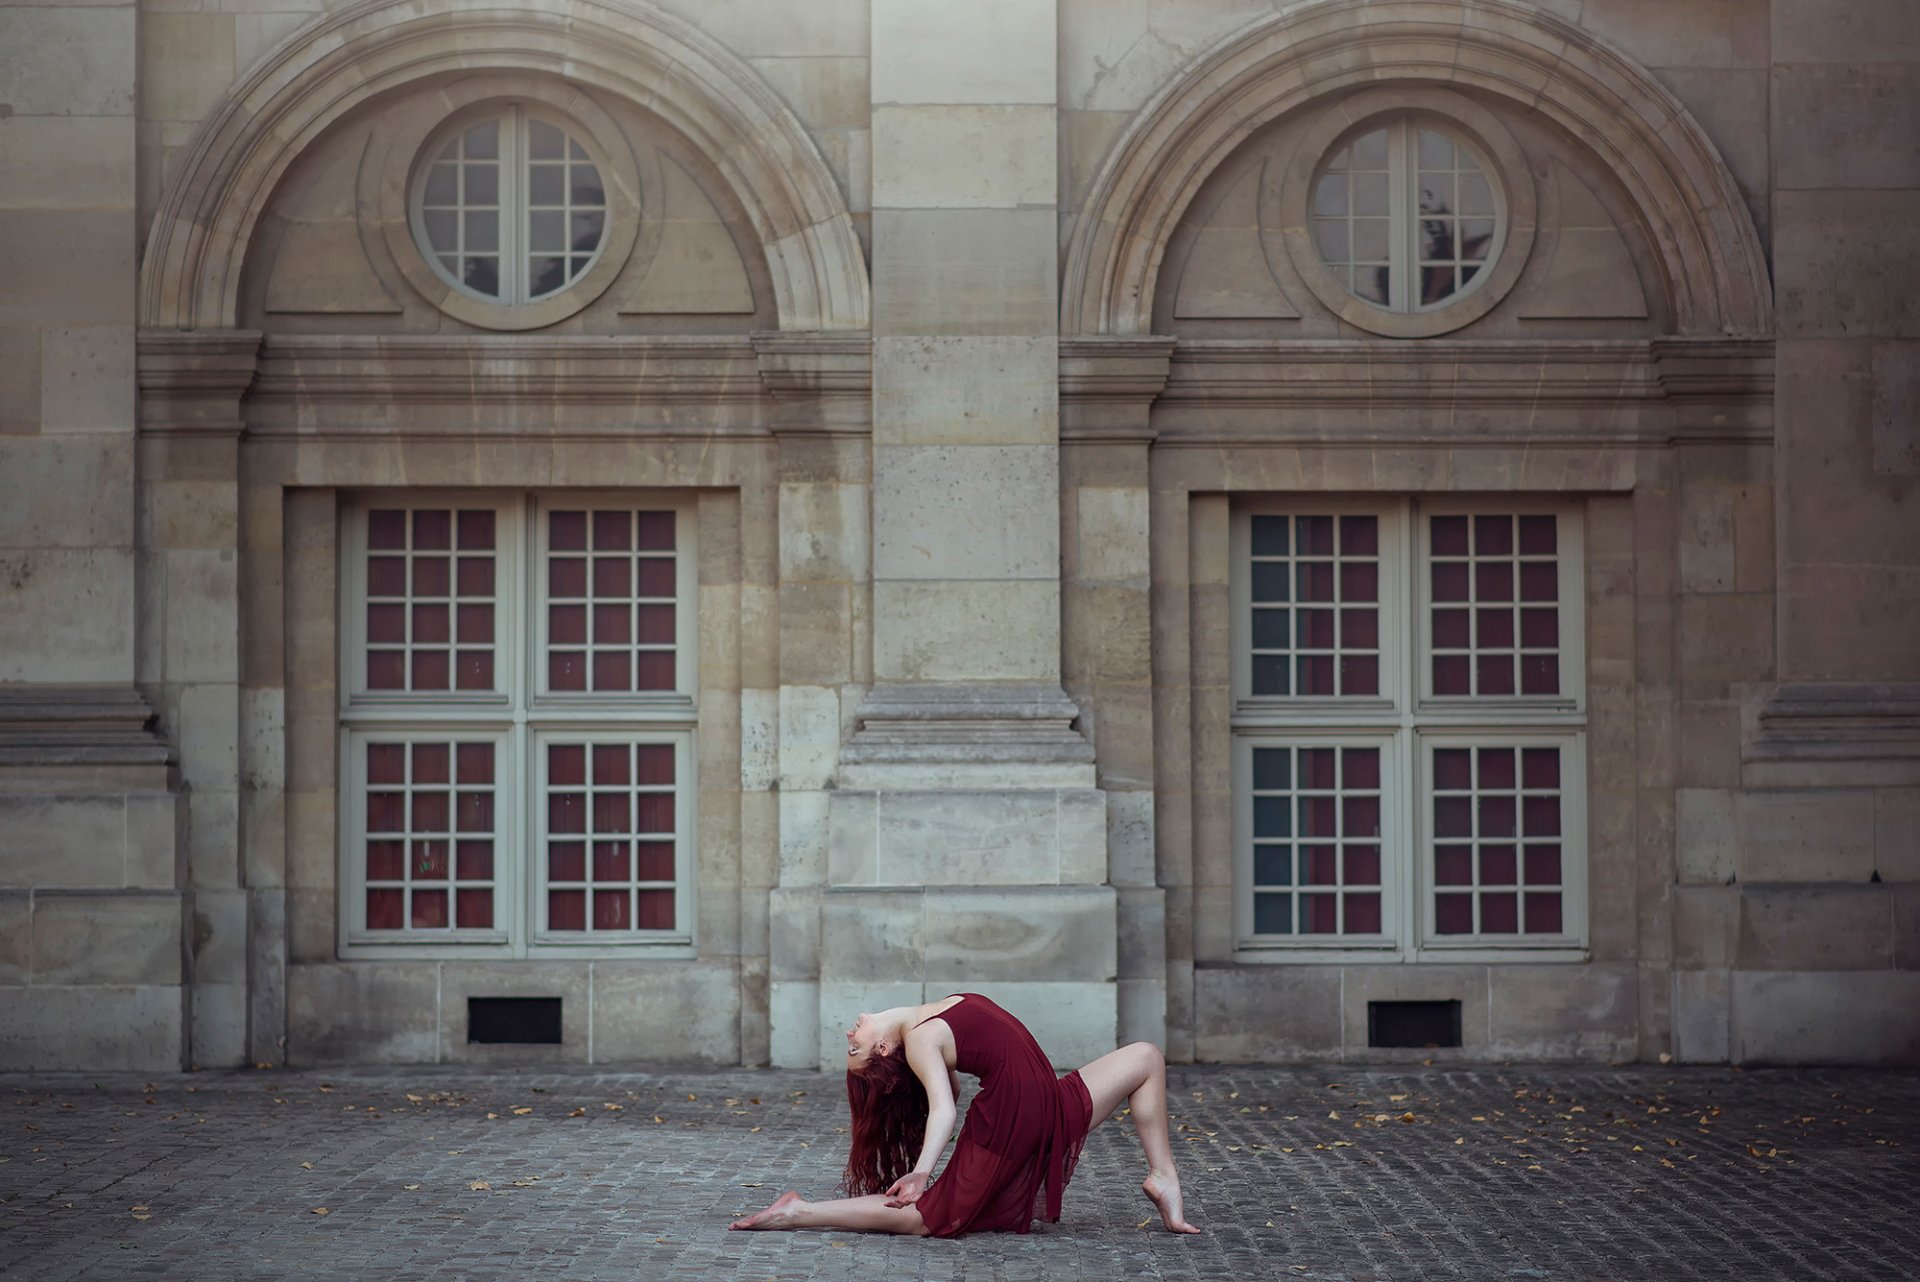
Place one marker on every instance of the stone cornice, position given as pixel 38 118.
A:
pixel 43 725
pixel 1108 385
pixel 492 369
pixel 1381 391
pixel 821 383
pixel 191 381
pixel 1838 721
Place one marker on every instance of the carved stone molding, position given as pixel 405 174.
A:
pixel 360 51
pixel 47 725
pixel 1108 385
pixel 1817 724
pixel 1709 250
pixel 492 386
pixel 821 383
pixel 191 383
pixel 1021 734
pixel 1593 392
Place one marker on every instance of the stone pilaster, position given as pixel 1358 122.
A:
pixel 967 834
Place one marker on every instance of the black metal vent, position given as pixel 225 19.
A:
pixel 1421 1024
pixel 526 1020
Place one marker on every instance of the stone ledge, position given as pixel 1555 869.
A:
pixel 78 725
pixel 986 724
pixel 1806 731
pixel 1697 389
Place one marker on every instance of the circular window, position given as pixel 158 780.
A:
pixel 1409 211
pixel 1406 216
pixel 511 208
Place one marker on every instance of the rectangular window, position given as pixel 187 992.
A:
pixel 517 761
pixel 1409 729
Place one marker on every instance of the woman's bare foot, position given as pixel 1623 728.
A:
pixel 1164 1192
pixel 772 1217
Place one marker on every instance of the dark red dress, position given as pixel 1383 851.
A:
pixel 1022 1134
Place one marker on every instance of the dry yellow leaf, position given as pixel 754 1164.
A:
pixel 522 1110
pixel 321 1210
pixel 1334 1115
pixel 480 1186
pixel 578 1112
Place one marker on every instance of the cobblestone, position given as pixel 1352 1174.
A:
pixel 1337 1175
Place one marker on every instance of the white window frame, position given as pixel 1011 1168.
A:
pixel 680 699
pixel 577 944
pixel 1408 721
pixel 1571 943
pixel 515 120
pixel 1403 237
pixel 518 717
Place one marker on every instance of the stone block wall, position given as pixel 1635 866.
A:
pixel 963 504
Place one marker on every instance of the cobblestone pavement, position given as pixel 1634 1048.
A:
pixel 1335 1173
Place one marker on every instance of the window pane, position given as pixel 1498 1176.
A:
pixel 1333 797
pixel 408 816
pixel 1320 561
pixel 1507 571
pixel 630 795
pixel 1479 826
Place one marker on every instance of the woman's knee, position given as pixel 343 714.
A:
pixel 1148 1055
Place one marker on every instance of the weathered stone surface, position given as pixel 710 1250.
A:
pixel 1809 928
pixel 1805 836
pixel 1561 1012
pixel 1003 935
pixel 997 51
pixel 965 390
pixel 665 1012
pixel 66 60
pixel 127 1029
pixel 1839 1017
pixel 1270 1014
pixel 360 1012
pixel 963 157
pixel 1896 832
pixel 967 271
pixel 977 512
pixel 1702 1010
pixel 1002 630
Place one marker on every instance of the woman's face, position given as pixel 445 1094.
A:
pixel 864 1040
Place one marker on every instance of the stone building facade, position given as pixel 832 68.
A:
pixel 1296 531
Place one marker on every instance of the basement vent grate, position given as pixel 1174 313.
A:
pixel 525 1020
pixel 1420 1024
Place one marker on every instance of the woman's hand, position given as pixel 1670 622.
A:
pixel 907 1189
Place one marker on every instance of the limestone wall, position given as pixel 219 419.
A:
pixel 967 333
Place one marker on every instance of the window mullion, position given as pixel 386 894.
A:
pixel 513 188
pixel 1404 227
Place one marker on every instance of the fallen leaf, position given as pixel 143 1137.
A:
pixel 480 1186
pixel 1334 1115
pixel 1461 1139
pixel 1143 1224
pixel 1406 1117
pixel 493 1117
pixel 321 1210
pixel 522 1110
pixel 306 1166
pixel 578 1112
pixel 613 1108
pixel 412 1187
pixel 417 1099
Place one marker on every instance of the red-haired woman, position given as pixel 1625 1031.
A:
pixel 1022 1136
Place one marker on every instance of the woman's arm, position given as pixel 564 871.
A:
pixel 929 1064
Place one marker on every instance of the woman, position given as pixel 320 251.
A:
pixel 1024 1127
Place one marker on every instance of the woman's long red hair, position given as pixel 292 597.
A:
pixel 889 1123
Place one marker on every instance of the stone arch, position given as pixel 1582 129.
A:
pixel 1709 252
pixel 190 279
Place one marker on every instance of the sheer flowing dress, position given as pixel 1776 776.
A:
pixel 1023 1130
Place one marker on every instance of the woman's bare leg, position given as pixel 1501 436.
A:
pixel 1138 1075
pixel 864 1214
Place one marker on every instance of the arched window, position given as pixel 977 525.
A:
pixel 510 207
pixel 1406 215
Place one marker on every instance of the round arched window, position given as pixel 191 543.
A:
pixel 1406 216
pixel 510 207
